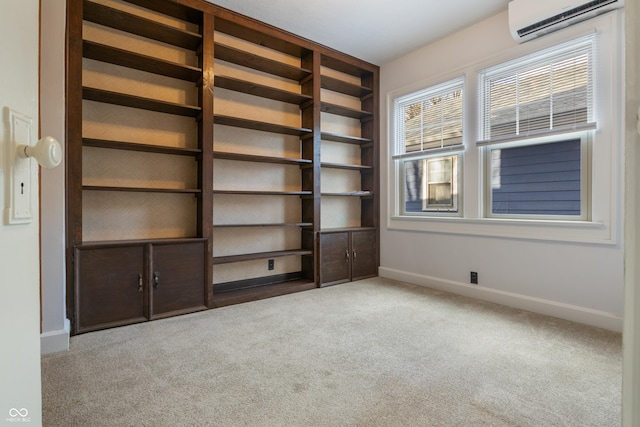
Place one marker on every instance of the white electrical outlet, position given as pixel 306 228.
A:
pixel 19 171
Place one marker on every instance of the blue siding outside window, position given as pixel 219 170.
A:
pixel 542 179
pixel 413 182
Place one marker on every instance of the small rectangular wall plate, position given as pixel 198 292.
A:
pixel 19 174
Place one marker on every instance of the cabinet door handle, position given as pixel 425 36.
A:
pixel 346 255
pixel 354 256
pixel 156 280
pixel 139 282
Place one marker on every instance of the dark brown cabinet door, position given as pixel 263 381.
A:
pixel 363 254
pixel 177 278
pixel 335 258
pixel 110 287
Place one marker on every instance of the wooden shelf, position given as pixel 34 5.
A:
pixel 261 126
pixel 95 244
pixel 125 58
pixel 261 38
pixel 342 229
pixel 346 139
pixel 261 255
pixel 349 194
pixel 146 148
pixel 260 159
pixel 171 9
pixel 255 89
pixel 260 63
pixel 133 101
pixel 264 193
pixel 225 298
pixel 141 189
pixel 346 88
pixel 345 111
pixel 346 166
pixel 140 26
pixel 285 224
pixel 347 67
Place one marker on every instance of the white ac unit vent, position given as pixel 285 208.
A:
pixel 533 18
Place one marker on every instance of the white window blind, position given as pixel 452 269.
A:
pixel 546 93
pixel 429 120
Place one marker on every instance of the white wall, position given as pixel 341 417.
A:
pixel 19 267
pixel 631 334
pixel 574 280
pixel 55 326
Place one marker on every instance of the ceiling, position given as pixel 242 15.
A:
pixel 374 30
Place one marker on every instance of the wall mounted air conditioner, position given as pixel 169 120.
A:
pixel 533 18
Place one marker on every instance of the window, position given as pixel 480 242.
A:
pixel 440 183
pixel 527 108
pixel 431 185
pixel 539 157
pixel 428 124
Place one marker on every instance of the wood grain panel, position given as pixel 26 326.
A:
pixel 109 287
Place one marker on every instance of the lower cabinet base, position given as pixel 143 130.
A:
pixel 117 284
pixel 239 295
pixel 347 255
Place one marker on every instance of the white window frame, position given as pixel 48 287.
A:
pixel 607 148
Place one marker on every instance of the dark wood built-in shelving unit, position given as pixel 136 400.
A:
pixel 172 45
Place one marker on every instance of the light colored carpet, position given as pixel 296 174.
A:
pixel 368 353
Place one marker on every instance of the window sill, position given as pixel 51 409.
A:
pixel 543 230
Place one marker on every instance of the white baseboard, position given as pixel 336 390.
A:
pixel 574 313
pixel 55 341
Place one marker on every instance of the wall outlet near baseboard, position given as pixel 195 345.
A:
pixel 271 264
pixel 473 277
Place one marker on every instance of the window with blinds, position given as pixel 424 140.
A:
pixel 550 92
pixel 428 132
pixel 535 114
pixel 430 119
